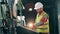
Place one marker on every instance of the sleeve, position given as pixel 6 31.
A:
pixel 43 20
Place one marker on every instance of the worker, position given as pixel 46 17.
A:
pixel 42 19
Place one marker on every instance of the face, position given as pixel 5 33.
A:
pixel 39 10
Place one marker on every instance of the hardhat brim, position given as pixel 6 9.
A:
pixel 35 8
pixel 38 8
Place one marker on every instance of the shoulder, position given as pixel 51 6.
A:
pixel 45 14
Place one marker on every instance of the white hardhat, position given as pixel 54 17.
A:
pixel 38 5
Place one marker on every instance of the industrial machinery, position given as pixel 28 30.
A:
pixel 10 20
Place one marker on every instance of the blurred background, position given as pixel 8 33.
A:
pixel 26 9
pixel 58 9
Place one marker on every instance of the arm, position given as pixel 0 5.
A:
pixel 42 21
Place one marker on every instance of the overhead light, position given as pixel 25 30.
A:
pixel 30 9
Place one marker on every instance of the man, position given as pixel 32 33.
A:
pixel 42 19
